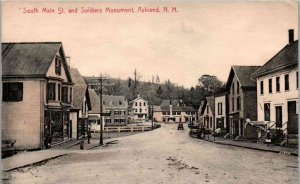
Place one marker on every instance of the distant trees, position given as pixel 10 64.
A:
pixel 155 92
pixel 134 82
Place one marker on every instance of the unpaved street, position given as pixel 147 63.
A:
pixel 165 155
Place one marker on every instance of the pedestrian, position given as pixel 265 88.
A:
pixel 89 135
pixel 47 137
pixel 268 138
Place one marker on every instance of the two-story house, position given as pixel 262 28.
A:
pixel 241 89
pixel 277 89
pixel 139 111
pixel 36 95
pixel 208 113
pixel 221 111
pixel 81 106
pixel 117 106
pixel 174 111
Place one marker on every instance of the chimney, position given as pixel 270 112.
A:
pixel 68 59
pixel 291 35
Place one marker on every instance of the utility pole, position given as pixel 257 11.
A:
pixel 152 116
pixel 101 122
pixel 101 79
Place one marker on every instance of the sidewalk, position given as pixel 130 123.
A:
pixel 255 146
pixel 28 158
pixel 25 159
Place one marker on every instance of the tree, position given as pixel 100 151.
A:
pixel 210 83
pixel 157 79
pixel 135 82
pixel 159 91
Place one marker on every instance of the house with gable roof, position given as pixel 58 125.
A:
pixel 81 106
pixel 277 90
pixel 138 110
pixel 37 94
pixel 208 113
pixel 241 91
pixel 117 107
pixel 174 111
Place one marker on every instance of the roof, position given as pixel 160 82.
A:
pixel 95 102
pixel 287 57
pixel 211 103
pixel 138 98
pixel 79 90
pixel 243 74
pixel 114 101
pixel 178 108
pixel 77 78
pixel 30 58
pixel 174 102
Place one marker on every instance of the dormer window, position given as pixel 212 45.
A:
pixel 57 66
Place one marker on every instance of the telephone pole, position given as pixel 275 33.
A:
pixel 100 86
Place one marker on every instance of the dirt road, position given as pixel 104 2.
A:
pixel 165 155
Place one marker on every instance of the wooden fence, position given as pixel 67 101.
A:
pixel 125 129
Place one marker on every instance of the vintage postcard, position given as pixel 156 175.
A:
pixel 158 92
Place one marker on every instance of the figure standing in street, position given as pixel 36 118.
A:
pixel 89 135
pixel 268 138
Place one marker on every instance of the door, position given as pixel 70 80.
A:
pixel 292 125
pixel 235 122
pixel 278 110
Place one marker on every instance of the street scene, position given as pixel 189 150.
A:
pixel 165 155
pixel 180 92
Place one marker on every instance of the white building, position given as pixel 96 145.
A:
pixel 208 113
pixel 221 111
pixel 277 89
pixel 139 111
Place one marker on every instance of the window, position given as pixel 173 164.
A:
pixel 232 88
pixel 207 109
pixel 59 89
pixel 57 66
pixel 51 91
pixel 267 111
pixel 103 102
pixel 270 85
pixel 140 103
pixel 64 94
pixel 144 103
pixel 135 103
pixel 12 92
pixel 277 84
pixel 117 113
pixel 135 110
pixel 140 109
pixel 71 95
pixel 120 103
pixel 297 80
pixel 238 103
pixel 232 104
pixel 278 111
pixel 261 87
pixel 237 87
pixel 164 113
pixel 220 108
pixel 286 82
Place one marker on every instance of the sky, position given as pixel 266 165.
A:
pixel 200 38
